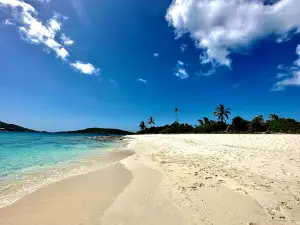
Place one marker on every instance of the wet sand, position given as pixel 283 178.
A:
pixel 76 200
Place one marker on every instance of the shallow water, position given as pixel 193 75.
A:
pixel 29 161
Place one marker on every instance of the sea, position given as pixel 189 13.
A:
pixel 29 161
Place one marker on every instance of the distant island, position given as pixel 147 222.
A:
pixel 13 127
pixel 5 127
pixel 107 131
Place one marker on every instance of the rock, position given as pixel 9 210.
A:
pixel 108 138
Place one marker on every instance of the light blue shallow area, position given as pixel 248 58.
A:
pixel 21 153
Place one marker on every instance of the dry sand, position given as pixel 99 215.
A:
pixel 178 179
pixel 223 179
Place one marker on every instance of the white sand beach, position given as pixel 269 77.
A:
pixel 178 179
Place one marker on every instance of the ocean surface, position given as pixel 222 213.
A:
pixel 29 161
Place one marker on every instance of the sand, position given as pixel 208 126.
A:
pixel 227 178
pixel 178 179
pixel 77 200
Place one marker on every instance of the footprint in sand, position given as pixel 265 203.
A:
pixel 221 181
pixel 240 190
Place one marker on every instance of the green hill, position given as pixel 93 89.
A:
pixel 99 131
pixel 13 127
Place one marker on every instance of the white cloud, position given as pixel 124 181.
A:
pixel 66 40
pixel 208 73
pixel 34 31
pixel 156 54
pixel 180 71
pixel 7 22
pixel 183 47
pixel 57 48
pixel 290 76
pixel 17 3
pixel 180 63
pixel 297 62
pixel 221 27
pixel 281 75
pixel 142 80
pixel 54 24
pixel 85 68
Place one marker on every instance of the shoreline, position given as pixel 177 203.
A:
pixel 107 157
pixel 74 200
pixel 178 179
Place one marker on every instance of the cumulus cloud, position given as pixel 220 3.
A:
pixel 288 75
pixel 85 68
pixel 32 29
pixel 35 31
pixel 155 54
pixel 180 71
pixel 66 40
pixel 220 27
pixel 142 80
pixel 183 47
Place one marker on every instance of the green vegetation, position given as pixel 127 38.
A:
pixel 13 127
pixel 275 124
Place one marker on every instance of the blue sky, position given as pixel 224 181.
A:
pixel 111 63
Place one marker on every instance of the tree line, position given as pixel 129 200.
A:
pixel 274 124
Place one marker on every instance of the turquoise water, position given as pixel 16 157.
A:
pixel 32 160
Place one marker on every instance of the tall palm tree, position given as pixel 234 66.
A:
pixel 151 121
pixel 176 110
pixel 222 113
pixel 273 117
pixel 142 125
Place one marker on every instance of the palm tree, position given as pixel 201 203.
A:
pixel 273 117
pixel 222 113
pixel 176 110
pixel 151 120
pixel 142 125
pixel 258 119
pixel 206 121
pixel 258 123
pixel 201 122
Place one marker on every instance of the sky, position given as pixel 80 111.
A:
pixel 74 64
